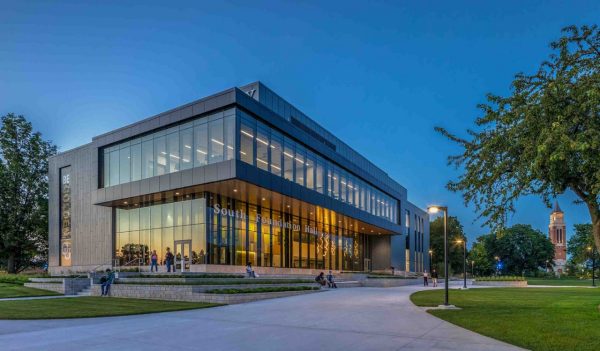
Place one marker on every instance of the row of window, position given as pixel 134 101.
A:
pixel 269 150
pixel 197 143
pixel 212 139
pixel 223 239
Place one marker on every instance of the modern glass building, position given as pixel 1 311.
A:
pixel 240 176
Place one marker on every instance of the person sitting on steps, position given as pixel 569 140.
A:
pixel 321 279
pixel 106 281
pixel 249 271
pixel 331 281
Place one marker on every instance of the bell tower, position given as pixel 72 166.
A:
pixel 557 230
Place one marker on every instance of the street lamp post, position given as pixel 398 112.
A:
pixel 593 251
pixel 436 209
pixel 464 242
pixel 472 269
pixel 430 260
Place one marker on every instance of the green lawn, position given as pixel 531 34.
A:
pixel 18 290
pixel 84 307
pixel 533 318
pixel 561 281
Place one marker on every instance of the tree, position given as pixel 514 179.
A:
pixel 482 260
pixel 543 139
pixel 436 243
pixel 24 192
pixel 523 249
pixel 578 244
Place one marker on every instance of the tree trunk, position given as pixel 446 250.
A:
pixel 12 263
pixel 596 230
pixel 594 209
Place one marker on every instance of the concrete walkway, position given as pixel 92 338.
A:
pixel 343 319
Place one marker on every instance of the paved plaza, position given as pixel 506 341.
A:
pixel 343 319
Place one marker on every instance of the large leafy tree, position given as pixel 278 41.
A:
pixel 522 249
pixel 24 193
pixel 436 244
pixel 543 139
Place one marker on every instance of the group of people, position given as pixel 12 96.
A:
pixel 329 280
pixel 434 278
pixel 169 261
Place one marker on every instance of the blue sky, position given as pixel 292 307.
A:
pixel 379 75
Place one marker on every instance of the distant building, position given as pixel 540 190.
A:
pixel 558 235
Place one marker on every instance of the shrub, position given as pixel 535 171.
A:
pixel 501 278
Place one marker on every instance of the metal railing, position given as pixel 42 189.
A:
pixel 117 264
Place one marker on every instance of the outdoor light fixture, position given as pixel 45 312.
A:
pixel 435 209
pixel 464 242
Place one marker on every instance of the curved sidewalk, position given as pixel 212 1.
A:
pixel 343 319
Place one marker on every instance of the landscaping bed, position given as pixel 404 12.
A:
pixel 501 281
pixel 150 281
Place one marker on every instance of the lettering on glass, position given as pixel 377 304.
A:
pixel 65 216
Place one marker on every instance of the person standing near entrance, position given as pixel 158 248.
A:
pixel 425 276
pixel 169 260
pixel 434 277
pixel 154 261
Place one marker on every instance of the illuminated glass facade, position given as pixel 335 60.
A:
pixel 272 151
pixel 211 139
pixel 202 141
pixel 227 231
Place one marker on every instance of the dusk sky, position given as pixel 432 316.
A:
pixel 379 75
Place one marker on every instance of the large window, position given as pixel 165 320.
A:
pixel 268 150
pixel 141 231
pixel 236 234
pixel 205 140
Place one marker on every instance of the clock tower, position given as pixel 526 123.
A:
pixel 557 230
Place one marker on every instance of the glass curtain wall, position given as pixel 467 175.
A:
pixel 286 158
pixel 199 142
pixel 141 230
pixel 230 232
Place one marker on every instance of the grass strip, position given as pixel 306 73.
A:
pixel 18 290
pixel 539 319
pixel 87 307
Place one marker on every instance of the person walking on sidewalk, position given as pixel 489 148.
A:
pixel 425 276
pixel 434 277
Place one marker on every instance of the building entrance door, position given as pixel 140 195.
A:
pixel 183 255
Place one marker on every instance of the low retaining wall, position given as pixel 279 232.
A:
pixel 56 287
pixel 186 293
pixel 66 286
pixel 389 283
pixel 512 284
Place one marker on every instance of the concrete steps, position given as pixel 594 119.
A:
pixel 85 292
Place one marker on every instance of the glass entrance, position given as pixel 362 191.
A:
pixel 183 255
